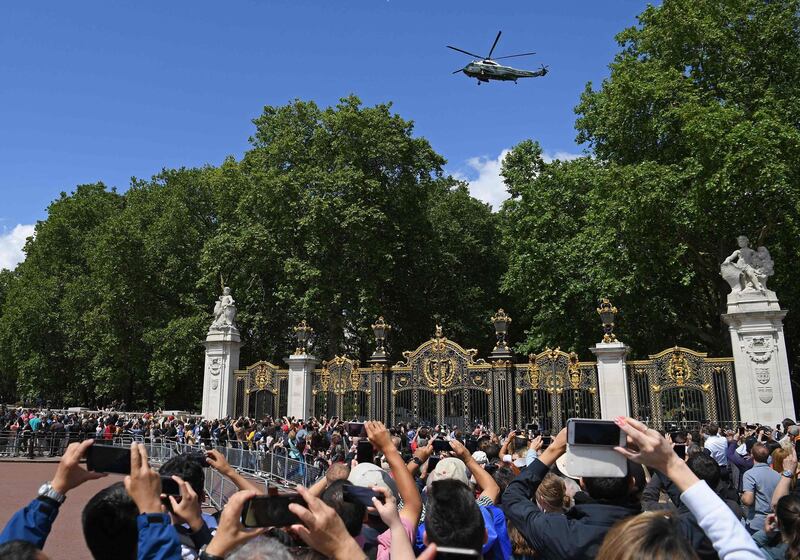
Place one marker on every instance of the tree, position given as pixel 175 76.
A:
pixel 693 141
pixel 334 215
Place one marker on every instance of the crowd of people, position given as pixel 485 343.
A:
pixel 435 492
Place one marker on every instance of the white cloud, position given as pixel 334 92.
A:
pixel 11 243
pixel 483 175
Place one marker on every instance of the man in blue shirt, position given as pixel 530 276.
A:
pixel 758 485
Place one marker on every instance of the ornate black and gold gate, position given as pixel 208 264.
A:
pixel 343 389
pixel 553 387
pixel 683 387
pixel 441 383
pixel 262 390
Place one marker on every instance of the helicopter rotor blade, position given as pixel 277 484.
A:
pixel 514 55
pixel 459 70
pixel 465 52
pixel 489 56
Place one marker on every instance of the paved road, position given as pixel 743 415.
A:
pixel 18 485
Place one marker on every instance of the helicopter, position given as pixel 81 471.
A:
pixel 484 68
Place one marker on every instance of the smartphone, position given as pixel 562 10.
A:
pixel 356 429
pixel 471 443
pixel 440 445
pixel 108 459
pixel 360 495
pixel 601 433
pixel 454 553
pixel 520 442
pixel 546 441
pixel 364 452
pixel 741 430
pixel 531 427
pixel 590 448
pixel 169 486
pixel 680 450
pixel 432 462
pixel 271 511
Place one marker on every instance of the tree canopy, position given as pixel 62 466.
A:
pixel 691 141
pixel 334 215
pixel 337 215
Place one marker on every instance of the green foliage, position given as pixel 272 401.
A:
pixel 335 215
pixel 695 141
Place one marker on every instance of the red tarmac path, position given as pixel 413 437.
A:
pixel 19 482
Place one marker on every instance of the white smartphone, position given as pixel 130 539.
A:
pixel 590 448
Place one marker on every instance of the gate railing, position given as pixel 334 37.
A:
pixel 680 386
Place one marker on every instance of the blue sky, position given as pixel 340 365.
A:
pixel 105 91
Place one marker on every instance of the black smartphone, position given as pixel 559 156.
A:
pixel 364 452
pixel 360 495
pixel 604 433
pixel 741 430
pixel 531 427
pixel 432 462
pixel 169 486
pixel 546 441
pixel 520 442
pixel 271 511
pixel 108 459
pixel 680 450
pixel 440 445
pixel 356 429
pixel 471 443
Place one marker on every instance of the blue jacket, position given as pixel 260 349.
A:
pixel 158 539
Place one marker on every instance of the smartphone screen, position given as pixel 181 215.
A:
pixel 680 450
pixel 531 427
pixel 520 442
pixel 105 458
pixel 546 441
pixel 356 429
pixel 364 452
pixel 596 433
pixel 169 486
pixel 471 444
pixel 440 445
pixel 360 495
pixel 271 511
pixel 432 462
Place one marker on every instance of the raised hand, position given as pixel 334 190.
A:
pixel 187 510
pixel 69 473
pixel 230 532
pixel 143 484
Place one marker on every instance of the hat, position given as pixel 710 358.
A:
pixel 449 468
pixel 561 465
pixel 480 457
pixel 793 430
pixel 368 475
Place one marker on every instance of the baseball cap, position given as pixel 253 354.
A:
pixel 449 468
pixel 480 457
pixel 368 475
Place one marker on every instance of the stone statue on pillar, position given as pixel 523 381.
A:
pixel 747 269
pixel 755 324
pixel 222 359
pixel 224 312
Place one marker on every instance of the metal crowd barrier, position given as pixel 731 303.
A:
pixel 261 467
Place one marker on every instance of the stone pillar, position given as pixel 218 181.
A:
pixel 222 360
pixel 755 323
pixel 612 378
pixel 301 380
